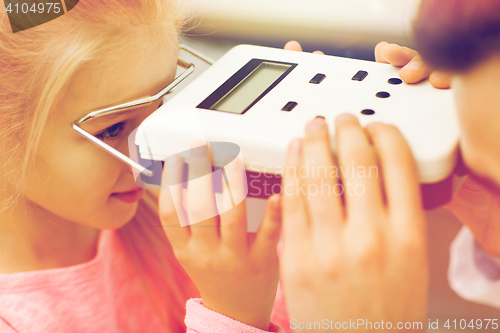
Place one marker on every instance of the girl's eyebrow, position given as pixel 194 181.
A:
pixel 109 118
pixel 104 121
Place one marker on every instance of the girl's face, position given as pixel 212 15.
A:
pixel 477 94
pixel 75 180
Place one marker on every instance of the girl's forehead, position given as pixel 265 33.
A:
pixel 96 87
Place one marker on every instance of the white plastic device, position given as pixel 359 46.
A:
pixel 243 97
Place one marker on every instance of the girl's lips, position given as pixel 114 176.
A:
pixel 129 197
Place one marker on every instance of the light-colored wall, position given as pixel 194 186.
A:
pixel 343 23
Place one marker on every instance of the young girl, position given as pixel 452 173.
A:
pixel 82 248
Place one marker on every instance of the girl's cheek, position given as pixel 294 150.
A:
pixel 83 174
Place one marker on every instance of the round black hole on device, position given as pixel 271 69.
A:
pixel 395 80
pixel 383 94
pixel 368 112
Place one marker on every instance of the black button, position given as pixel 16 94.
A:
pixel 360 76
pixel 383 94
pixel 318 78
pixel 289 106
pixel 395 80
pixel 368 112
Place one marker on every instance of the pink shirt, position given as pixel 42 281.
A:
pixel 102 295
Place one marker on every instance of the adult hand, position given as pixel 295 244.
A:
pixel 360 254
pixel 236 273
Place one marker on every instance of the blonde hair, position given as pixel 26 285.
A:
pixel 36 66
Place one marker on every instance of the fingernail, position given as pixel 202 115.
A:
pixel 276 201
pixel 414 66
pixel 345 116
pixel 440 76
pixel 316 125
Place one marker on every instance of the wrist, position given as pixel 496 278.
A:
pixel 258 316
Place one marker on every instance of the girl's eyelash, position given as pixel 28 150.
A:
pixel 112 133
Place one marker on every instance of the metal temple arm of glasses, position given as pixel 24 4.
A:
pixel 114 152
pixel 142 101
pixel 197 54
pixel 172 85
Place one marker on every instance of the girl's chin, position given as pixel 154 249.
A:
pixel 119 215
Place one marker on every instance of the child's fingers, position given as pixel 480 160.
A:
pixel 201 205
pixel 359 170
pixel 396 55
pixel 170 207
pixel 233 222
pixel 415 70
pixel 323 194
pixel 378 53
pixel 440 80
pixel 293 46
pixel 268 233
pixel 296 226
pixel 399 173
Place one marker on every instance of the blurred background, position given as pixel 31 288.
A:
pixel 348 28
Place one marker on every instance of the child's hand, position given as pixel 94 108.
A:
pixel 236 272
pixel 479 209
pixel 295 46
pixel 413 68
pixel 361 255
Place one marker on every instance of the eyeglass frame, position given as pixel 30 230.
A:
pixel 190 68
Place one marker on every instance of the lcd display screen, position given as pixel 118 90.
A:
pixel 247 86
